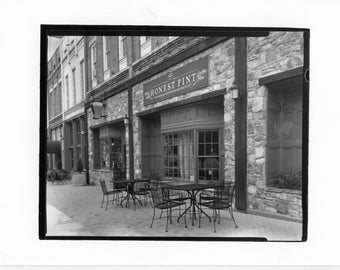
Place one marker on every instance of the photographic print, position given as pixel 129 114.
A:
pixel 174 133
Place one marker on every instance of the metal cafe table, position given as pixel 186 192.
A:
pixel 193 190
pixel 130 191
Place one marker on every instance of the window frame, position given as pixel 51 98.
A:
pixel 122 52
pixel 98 153
pixel 196 156
pixel 145 45
pixel 60 105
pixel 67 86
pixel 93 51
pixel 272 83
pixel 82 79
pixel 106 52
pixel 74 85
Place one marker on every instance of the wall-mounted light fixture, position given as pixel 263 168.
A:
pixel 233 89
pixel 97 110
pixel 82 132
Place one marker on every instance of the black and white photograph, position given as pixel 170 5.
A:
pixel 179 136
pixel 169 134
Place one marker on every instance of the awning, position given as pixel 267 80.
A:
pixel 53 147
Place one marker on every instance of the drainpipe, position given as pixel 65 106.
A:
pixel 85 112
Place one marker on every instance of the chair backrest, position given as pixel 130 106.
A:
pixel 104 187
pixel 156 192
pixel 226 193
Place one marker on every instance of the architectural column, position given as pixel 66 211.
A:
pixel 241 124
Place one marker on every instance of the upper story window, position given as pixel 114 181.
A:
pixel 55 100
pixel 60 99
pixel 122 52
pixel 105 54
pixel 82 79
pixel 74 86
pixel 67 92
pixel 145 45
pixel 93 60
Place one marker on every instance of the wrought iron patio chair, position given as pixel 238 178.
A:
pixel 107 193
pixel 143 189
pixel 162 202
pixel 221 200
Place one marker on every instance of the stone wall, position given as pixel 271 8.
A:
pixel 116 107
pixel 221 75
pixel 280 51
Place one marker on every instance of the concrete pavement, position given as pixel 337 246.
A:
pixel 75 211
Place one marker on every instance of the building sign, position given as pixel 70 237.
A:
pixel 188 78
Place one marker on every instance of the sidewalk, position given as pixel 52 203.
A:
pixel 75 211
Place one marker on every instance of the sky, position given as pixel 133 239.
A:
pixel 52 45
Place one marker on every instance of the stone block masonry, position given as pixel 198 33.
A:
pixel 279 52
pixel 221 74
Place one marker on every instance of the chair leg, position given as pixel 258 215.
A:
pixel 170 215
pixel 107 201
pixel 179 214
pixel 167 219
pixel 199 218
pixel 160 216
pixel 153 217
pixel 185 218
pixel 232 216
pixel 102 202
pixel 150 199
pixel 214 217
pixel 219 216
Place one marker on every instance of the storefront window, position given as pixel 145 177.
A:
pixel 71 133
pixel 109 150
pixel 208 155
pixel 284 134
pixel 78 132
pixel 178 156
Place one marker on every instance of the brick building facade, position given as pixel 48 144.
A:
pixel 54 107
pixel 73 78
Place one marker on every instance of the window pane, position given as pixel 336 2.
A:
pixel 215 136
pixel 201 137
pixel 208 136
pixel 175 150
pixel 208 162
pixel 201 149
pixel 208 150
pixel 215 175
pixel 201 174
pixel 215 150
